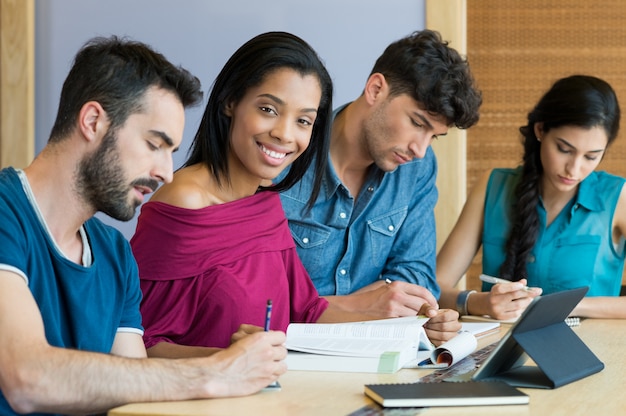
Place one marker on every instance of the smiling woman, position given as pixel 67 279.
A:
pixel 213 245
pixel 271 128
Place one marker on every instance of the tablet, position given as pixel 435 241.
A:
pixel 542 335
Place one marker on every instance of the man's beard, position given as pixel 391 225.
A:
pixel 102 183
pixel 375 134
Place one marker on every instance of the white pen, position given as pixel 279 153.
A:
pixel 494 280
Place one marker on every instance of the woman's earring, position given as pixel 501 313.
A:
pixel 538 139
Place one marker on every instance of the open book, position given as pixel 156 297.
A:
pixel 381 346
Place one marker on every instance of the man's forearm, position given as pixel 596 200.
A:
pixel 85 382
pixel 346 308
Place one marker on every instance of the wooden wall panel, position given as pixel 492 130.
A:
pixel 17 80
pixel 448 18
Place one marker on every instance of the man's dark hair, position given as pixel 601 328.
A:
pixel 424 67
pixel 116 73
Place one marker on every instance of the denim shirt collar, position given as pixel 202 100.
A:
pixel 331 181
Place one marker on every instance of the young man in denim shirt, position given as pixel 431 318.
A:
pixel 370 234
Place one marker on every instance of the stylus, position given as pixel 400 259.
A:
pixel 494 280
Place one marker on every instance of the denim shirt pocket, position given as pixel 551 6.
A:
pixel 572 263
pixel 311 239
pixel 382 233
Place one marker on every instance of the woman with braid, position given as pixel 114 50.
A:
pixel 553 223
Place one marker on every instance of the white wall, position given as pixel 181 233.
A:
pixel 200 35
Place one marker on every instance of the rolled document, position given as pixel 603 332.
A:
pixel 451 352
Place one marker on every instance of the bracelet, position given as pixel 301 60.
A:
pixel 461 301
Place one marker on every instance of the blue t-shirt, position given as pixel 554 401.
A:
pixel 388 232
pixel 575 250
pixel 82 307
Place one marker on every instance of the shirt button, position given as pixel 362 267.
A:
pixel 342 272
pixel 390 228
pixel 305 240
pixel 531 258
pixel 342 215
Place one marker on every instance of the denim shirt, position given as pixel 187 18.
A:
pixel 575 250
pixel 387 233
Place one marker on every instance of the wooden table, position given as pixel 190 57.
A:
pixel 328 394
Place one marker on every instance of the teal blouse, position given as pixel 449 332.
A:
pixel 575 250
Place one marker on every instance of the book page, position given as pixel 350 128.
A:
pixel 369 338
pixel 354 348
pixel 480 329
pixel 486 318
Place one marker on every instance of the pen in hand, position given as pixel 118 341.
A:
pixel 268 318
pixel 493 280
pixel 268 314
